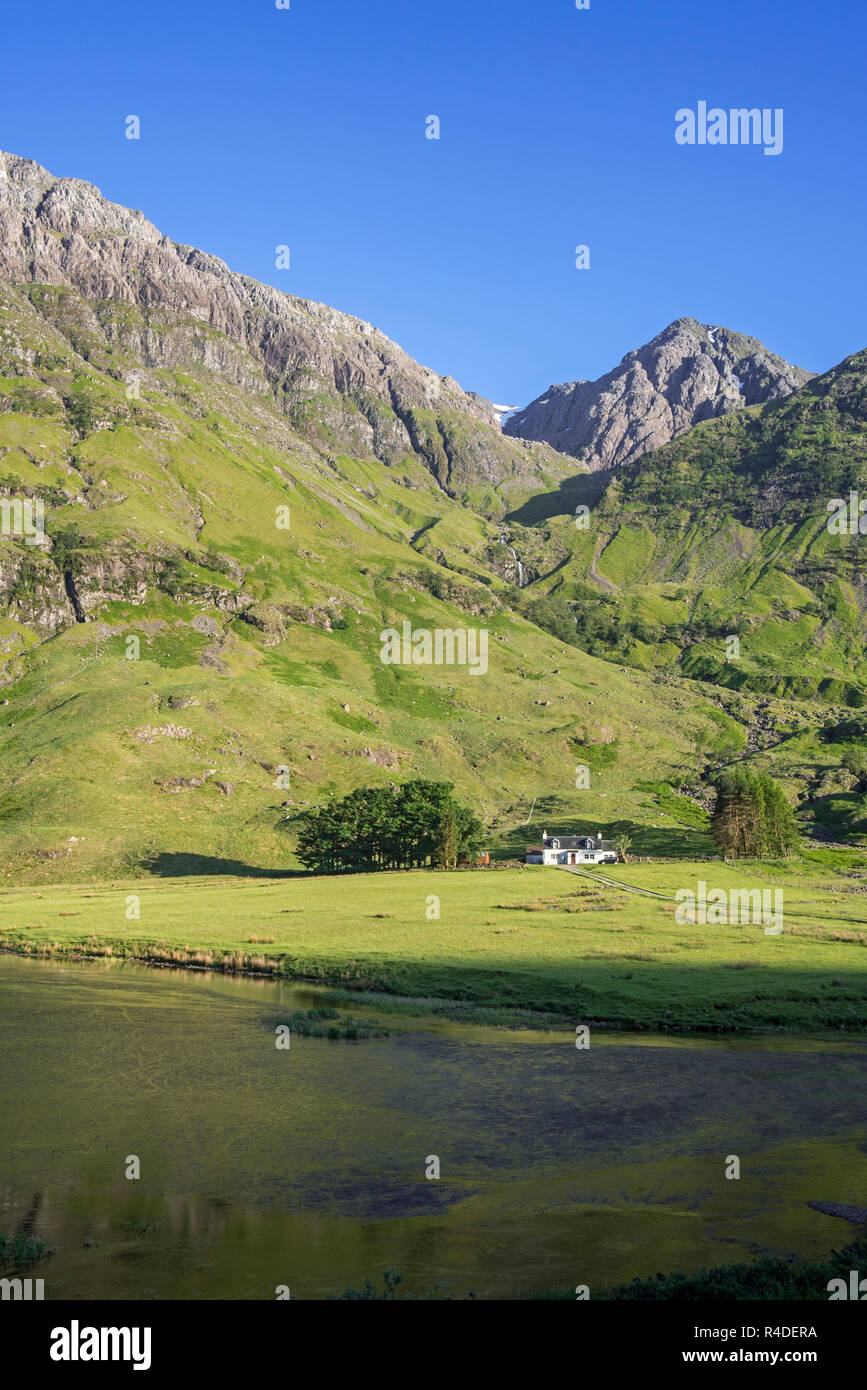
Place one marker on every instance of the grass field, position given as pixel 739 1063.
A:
pixel 504 940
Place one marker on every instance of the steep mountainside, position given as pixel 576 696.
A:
pixel 727 532
pixel 727 556
pixel 198 559
pixel 688 373
pixel 339 381
pixel 204 604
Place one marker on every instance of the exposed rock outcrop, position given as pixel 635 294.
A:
pixel 334 375
pixel 688 373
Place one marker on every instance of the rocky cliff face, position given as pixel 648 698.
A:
pixel 330 373
pixel 688 373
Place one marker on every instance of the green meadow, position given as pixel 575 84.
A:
pixel 509 945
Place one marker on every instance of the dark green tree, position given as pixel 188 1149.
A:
pixel 403 827
pixel 752 817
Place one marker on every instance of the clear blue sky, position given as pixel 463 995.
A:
pixel 306 127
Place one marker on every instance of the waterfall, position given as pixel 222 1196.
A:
pixel 522 573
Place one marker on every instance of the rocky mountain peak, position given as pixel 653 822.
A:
pixel 327 369
pixel 62 231
pixel 688 373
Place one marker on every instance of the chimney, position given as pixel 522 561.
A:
pixel 599 834
pixel 544 836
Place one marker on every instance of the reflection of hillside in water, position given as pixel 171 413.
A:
pixel 306 1167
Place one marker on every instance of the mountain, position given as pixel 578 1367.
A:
pixel 733 556
pixel 191 643
pixel 686 374
pixel 222 550
pixel 339 381
pixel 728 531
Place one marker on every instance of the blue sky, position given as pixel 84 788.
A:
pixel 306 127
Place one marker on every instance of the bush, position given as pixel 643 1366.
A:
pixel 368 1293
pixel 20 1251
pixel 328 1023
pixel 79 410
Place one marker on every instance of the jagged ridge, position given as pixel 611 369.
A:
pixel 328 370
pixel 688 373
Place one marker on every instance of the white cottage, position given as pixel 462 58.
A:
pixel 572 849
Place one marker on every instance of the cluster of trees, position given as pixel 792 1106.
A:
pixel 752 817
pixel 405 827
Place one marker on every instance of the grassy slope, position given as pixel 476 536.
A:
pixel 197 464
pixel 196 468
pixel 527 938
pixel 724 531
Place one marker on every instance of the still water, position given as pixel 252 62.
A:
pixel 306 1167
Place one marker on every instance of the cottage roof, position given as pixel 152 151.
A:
pixel 581 842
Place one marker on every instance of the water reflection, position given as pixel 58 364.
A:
pixel 305 1167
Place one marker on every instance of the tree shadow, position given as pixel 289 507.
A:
pixel 180 864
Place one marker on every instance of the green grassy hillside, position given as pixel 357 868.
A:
pixel 206 609
pixel 725 533
pixel 250 574
pixel 712 558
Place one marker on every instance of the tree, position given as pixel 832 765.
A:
pixel 781 836
pixel 445 854
pixel 322 838
pixel 752 816
pixel 389 827
pixel 69 549
pixel 726 817
pixel 79 408
pixel 624 845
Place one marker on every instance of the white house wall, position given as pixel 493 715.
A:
pixel 581 856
